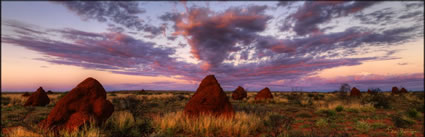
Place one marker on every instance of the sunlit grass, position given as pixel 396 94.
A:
pixel 242 124
pixel 121 120
pixel 22 132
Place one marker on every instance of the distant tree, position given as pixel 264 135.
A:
pixel 375 89
pixel 344 89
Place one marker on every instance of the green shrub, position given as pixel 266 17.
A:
pixel 352 110
pixel 401 121
pixel 328 112
pixel 276 120
pixel 378 134
pixel 310 95
pixel 339 108
pixel 412 113
pixel 321 123
pixel 362 126
pixel 378 125
pixel 113 94
pixel 380 101
pixel 5 100
pixel 367 109
pixel 304 114
pixel 421 107
pixel 130 103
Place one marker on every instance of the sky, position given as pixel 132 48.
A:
pixel 168 45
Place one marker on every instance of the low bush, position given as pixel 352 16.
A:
pixel 339 108
pixel 113 94
pixel 304 114
pixel 321 123
pixel 5 100
pixel 412 113
pixel 362 126
pixel 352 110
pixel 380 101
pixel 130 103
pixel 378 125
pixel 401 121
pixel 328 112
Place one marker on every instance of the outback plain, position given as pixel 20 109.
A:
pixel 212 68
pixel 286 114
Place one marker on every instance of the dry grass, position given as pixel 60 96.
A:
pixel 15 99
pixel 242 124
pixel 156 96
pixel 121 120
pixel 322 105
pixel 90 130
pixel 22 132
pixel 280 100
pixel 145 97
pixel 18 99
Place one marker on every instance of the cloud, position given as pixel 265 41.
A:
pixel 311 14
pixel 165 85
pixel 104 51
pixel 121 13
pixel 402 63
pixel 213 36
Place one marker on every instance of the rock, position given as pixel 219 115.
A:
pixel 49 92
pixel 239 93
pixel 87 101
pixel 38 98
pixel 209 98
pixel 264 94
pixel 403 90
pixel 395 90
pixel 355 92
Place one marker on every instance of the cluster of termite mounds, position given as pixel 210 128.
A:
pixel 87 103
pixel 356 92
pixel 395 90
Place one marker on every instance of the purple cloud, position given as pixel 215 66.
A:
pixel 213 37
pixel 121 13
pixel 311 14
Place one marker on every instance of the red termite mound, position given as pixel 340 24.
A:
pixel 264 94
pixel 395 90
pixel 209 98
pixel 355 92
pixel 38 98
pixel 87 101
pixel 239 93
pixel 403 90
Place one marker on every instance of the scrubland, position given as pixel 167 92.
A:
pixel 288 114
